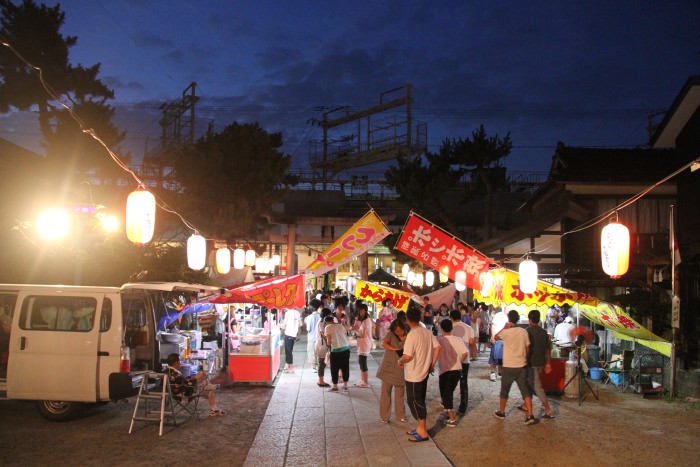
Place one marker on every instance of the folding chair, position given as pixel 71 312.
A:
pixel 620 377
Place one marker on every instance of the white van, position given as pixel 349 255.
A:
pixel 65 346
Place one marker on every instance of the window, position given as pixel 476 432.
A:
pixel 48 313
pixel 106 315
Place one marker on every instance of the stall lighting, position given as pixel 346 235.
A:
pixel 196 252
pixel 276 259
pixel 54 224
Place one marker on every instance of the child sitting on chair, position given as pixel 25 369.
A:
pixel 184 387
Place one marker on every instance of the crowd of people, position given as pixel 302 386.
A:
pixel 420 341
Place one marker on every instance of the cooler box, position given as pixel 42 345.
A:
pixel 554 381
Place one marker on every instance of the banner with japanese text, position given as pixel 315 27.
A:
pixel 276 292
pixel 438 250
pixel 617 319
pixel 358 239
pixel 506 289
pixel 377 293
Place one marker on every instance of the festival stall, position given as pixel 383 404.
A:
pixel 254 352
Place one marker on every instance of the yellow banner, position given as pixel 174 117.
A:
pixel 506 289
pixel 377 293
pixel 358 239
pixel 615 318
pixel 664 348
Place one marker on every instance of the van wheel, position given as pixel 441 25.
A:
pixel 58 411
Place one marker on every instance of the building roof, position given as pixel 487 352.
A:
pixel 612 165
pixel 677 116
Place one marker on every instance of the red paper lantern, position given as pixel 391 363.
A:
pixel 615 249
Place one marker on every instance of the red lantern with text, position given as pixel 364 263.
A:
pixel 615 249
pixel 528 276
pixel 140 216
pixel 196 252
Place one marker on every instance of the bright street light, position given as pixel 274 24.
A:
pixel 54 224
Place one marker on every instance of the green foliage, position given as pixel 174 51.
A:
pixel 231 179
pixel 33 31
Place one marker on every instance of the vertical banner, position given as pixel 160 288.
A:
pixel 438 250
pixel 358 239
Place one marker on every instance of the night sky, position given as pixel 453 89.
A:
pixel 585 73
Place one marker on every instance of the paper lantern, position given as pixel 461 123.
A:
pixel 238 258
pixel 223 260
pixel 615 249
pixel 486 279
pixel 429 278
pixel 196 252
pixel 404 270
pixel 528 276
pixel 250 257
pixel 140 216
pixel 410 277
pixel 276 260
pixel 418 280
pixel 460 280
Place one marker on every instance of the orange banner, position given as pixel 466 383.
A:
pixel 277 292
pixel 377 293
pixel 358 239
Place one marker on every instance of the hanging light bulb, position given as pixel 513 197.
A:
pixel 250 257
pixel 429 278
pixel 196 251
pixel 238 258
pixel 528 276
pixel 460 280
pixel 223 260
pixel 615 249
pixel 140 216
pixel 486 279
pixel 404 270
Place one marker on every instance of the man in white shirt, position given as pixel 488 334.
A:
pixel 420 353
pixel 291 325
pixel 498 322
pixel 311 323
pixel 562 331
pixel 466 333
pixel 516 343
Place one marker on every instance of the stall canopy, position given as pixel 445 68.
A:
pixel 506 291
pixel 276 292
pixel 380 276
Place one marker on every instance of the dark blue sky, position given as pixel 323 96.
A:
pixel 586 73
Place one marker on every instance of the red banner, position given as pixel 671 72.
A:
pixel 440 251
pixel 277 292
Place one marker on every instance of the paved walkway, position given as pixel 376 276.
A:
pixel 306 425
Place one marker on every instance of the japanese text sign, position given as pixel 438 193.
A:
pixel 378 293
pixel 436 249
pixel 358 239
pixel 278 292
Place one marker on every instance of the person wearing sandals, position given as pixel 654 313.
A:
pixel 391 375
pixel 420 353
pixel 321 348
pixel 363 331
pixel 453 353
pixel 337 340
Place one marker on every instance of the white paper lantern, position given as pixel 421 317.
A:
pixel 238 258
pixel 418 280
pixel 429 278
pixel 250 257
pixel 615 249
pixel 140 216
pixel 223 260
pixel 404 270
pixel 528 276
pixel 196 252
pixel 460 280
pixel 410 277
pixel 486 279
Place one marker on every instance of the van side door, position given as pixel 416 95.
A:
pixel 54 347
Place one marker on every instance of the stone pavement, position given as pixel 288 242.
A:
pixel 307 425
